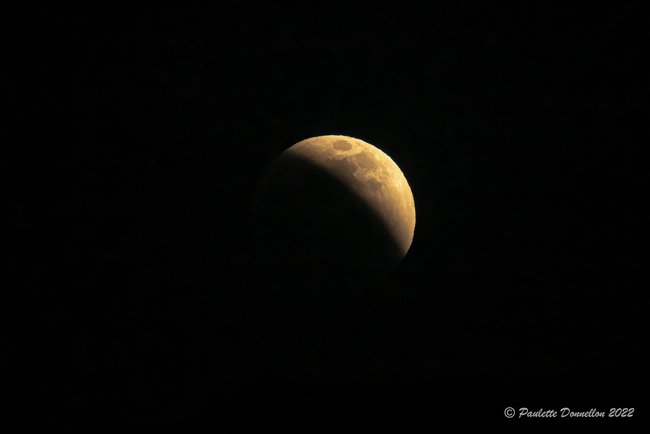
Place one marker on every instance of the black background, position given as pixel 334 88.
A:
pixel 514 127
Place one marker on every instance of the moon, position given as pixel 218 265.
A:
pixel 333 210
pixel 371 174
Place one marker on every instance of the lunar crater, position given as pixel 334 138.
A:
pixel 342 145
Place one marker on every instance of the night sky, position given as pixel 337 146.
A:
pixel 515 130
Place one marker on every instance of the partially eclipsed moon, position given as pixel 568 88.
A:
pixel 334 212
pixel 371 174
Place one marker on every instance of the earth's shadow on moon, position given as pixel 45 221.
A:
pixel 319 252
pixel 315 235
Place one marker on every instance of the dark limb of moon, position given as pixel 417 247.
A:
pixel 315 234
